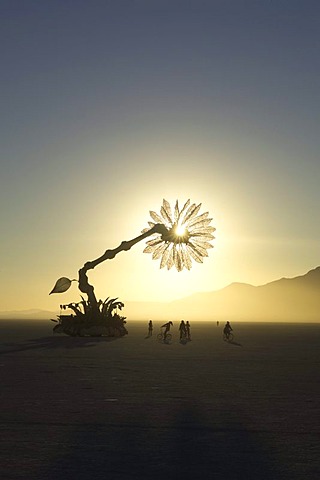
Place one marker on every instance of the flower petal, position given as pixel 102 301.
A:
pixel 185 206
pixel 154 241
pixel 148 249
pixel 186 257
pixel 176 211
pixel 200 224
pixel 170 261
pixel 155 217
pixel 204 238
pixel 191 213
pixel 200 248
pixel 165 255
pixel 177 259
pixel 194 254
pixel 158 251
pixel 167 208
pixel 202 244
pixel 166 219
pixel 203 216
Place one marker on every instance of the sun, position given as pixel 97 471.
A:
pixel 180 230
pixel 186 236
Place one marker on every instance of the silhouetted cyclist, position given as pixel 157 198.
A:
pixel 227 329
pixel 166 327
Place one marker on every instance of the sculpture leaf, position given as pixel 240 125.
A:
pixel 62 285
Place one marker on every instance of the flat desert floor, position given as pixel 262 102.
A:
pixel 134 408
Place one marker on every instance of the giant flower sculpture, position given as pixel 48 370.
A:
pixel 187 235
pixel 177 237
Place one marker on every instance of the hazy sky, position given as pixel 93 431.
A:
pixel 107 107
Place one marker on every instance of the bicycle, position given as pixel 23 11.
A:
pixel 183 337
pixel 161 337
pixel 228 337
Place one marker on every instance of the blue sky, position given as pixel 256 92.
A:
pixel 108 107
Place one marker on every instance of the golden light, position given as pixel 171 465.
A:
pixel 180 230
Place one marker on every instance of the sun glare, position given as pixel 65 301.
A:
pixel 180 230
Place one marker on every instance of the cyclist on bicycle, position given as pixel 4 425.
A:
pixel 227 329
pixel 166 327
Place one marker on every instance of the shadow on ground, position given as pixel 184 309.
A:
pixel 185 449
pixel 233 342
pixel 53 342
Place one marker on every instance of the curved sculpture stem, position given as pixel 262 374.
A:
pixel 88 289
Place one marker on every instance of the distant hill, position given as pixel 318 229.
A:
pixel 32 314
pixel 287 299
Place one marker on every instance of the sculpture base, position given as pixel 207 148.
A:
pixel 91 327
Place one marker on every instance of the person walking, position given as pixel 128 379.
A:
pixel 182 330
pixel 188 330
pixel 150 328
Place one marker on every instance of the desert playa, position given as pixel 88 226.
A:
pixel 134 408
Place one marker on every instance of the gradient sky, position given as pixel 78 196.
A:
pixel 107 107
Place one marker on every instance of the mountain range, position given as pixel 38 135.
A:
pixel 285 300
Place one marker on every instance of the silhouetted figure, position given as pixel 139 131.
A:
pixel 227 329
pixel 166 327
pixel 217 323
pixel 188 331
pixel 150 328
pixel 182 330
